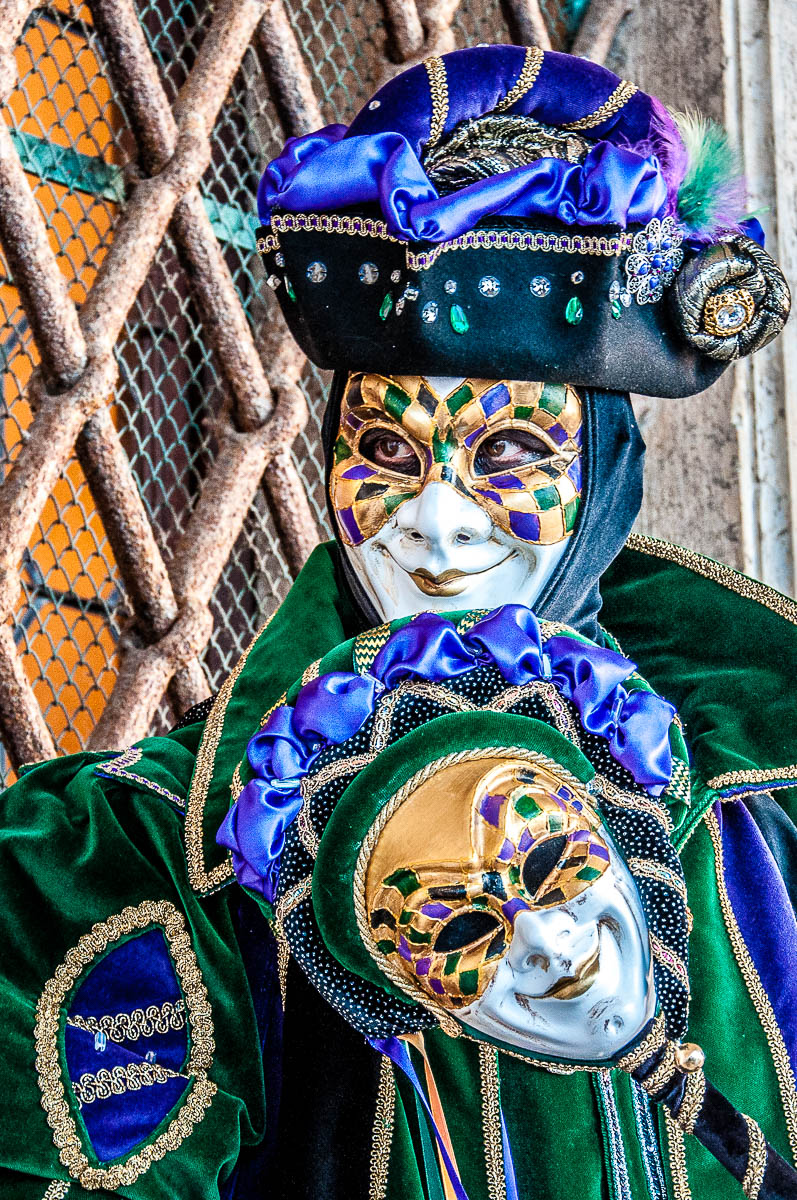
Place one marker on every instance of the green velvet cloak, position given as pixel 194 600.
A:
pixel 92 836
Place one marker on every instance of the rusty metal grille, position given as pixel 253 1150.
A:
pixel 160 473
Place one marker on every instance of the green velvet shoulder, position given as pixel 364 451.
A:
pixel 722 648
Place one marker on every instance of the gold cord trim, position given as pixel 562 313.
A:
pixel 200 878
pixel 130 1026
pixel 118 768
pixel 447 1022
pixel 130 1077
pixel 562 719
pixel 516 239
pixel 278 703
pixel 612 794
pixel 287 903
pixel 366 647
pixel 382 1136
pixel 491 1122
pixel 665 955
pixel 525 80
pixel 475 239
pixel 664 1073
pixel 650 869
pixel 646 1048
pixel 57 1190
pixel 756 1159
pixel 752 980
pixel 750 589
pixel 772 776
pixel 48 1061
pixel 677 1157
pixel 438 86
pixel 692 1102
pixel 618 99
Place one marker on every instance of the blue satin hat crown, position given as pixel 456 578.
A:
pixel 593 273
pixel 625 178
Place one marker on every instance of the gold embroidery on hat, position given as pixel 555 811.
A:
pixel 618 99
pixel 525 80
pixel 438 86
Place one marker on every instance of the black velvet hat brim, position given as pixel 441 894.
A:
pixel 344 323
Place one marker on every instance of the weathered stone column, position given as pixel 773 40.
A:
pixel 722 467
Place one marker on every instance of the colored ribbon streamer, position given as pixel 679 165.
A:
pixel 332 708
pixel 398 1053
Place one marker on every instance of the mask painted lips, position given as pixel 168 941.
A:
pixel 569 986
pixel 448 583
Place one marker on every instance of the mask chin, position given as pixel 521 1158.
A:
pixel 400 586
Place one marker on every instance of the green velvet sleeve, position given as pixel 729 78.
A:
pixel 89 863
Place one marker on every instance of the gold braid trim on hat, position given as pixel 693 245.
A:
pixel 438 86
pixel 618 99
pixel 525 80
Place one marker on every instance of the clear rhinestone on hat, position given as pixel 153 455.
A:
pixel 395 276
pixel 731 316
pixel 279 259
pixel 450 286
pixel 374 105
pixel 411 293
pixel 369 272
pixel 489 285
pixel 577 277
pixel 429 312
pixel 316 272
pixel 400 303
pixel 540 285
pixel 625 298
pixel 274 282
pixel 614 290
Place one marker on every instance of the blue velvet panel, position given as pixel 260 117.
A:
pixel 136 974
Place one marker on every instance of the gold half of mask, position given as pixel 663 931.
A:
pixel 442 438
pixel 471 848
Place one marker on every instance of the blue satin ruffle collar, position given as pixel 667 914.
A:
pixel 332 708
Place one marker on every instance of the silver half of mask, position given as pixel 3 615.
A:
pixel 577 980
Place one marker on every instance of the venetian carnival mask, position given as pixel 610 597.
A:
pixel 455 493
pixel 519 916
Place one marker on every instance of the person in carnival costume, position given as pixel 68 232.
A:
pixel 542 226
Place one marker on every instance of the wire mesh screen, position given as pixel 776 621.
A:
pixel 78 608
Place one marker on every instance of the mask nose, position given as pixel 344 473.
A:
pixel 547 945
pixel 439 517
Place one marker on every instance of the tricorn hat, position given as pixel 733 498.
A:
pixel 507 212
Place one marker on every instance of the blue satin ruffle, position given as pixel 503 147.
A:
pixel 326 171
pixel 330 709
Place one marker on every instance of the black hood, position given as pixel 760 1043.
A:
pixel 612 494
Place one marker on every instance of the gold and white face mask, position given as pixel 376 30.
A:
pixel 496 894
pixel 455 493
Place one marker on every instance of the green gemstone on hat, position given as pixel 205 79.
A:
pixel 385 307
pixel 574 311
pixel 289 289
pixel 617 309
pixel 459 322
